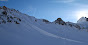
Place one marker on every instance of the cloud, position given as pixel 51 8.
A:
pixel 3 0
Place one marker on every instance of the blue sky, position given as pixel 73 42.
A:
pixel 68 10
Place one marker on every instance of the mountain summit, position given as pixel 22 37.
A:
pixel 17 28
pixel 82 20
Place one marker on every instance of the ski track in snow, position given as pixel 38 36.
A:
pixel 52 35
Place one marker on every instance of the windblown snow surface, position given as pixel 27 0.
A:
pixel 31 32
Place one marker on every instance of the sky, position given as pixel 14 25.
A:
pixel 68 10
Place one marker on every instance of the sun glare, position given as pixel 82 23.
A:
pixel 81 14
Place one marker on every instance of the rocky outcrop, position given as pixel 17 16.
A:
pixel 0 7
pixel 5 17
pixel 9 19
pixel 86 19
pixel 4 7
pixel 4 13
pixel 73 25
pixel 44 20
pixel 60 21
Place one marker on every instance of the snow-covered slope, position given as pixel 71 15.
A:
pixel 31 31
pixel 83 21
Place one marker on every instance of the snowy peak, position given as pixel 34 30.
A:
pixel 7 17
pixel 60 21
pixel 82 20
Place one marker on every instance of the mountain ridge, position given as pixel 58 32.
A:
pixel 33 31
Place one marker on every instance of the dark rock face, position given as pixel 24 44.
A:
pixel 17 22
pixel 73 25
pixel 60 21
pixel 86 19
pixel 77 26
pixel 4 13
pixel 19 19
pixel 9 19
pixel 0 7
pixel 4 7
pixel 44 20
